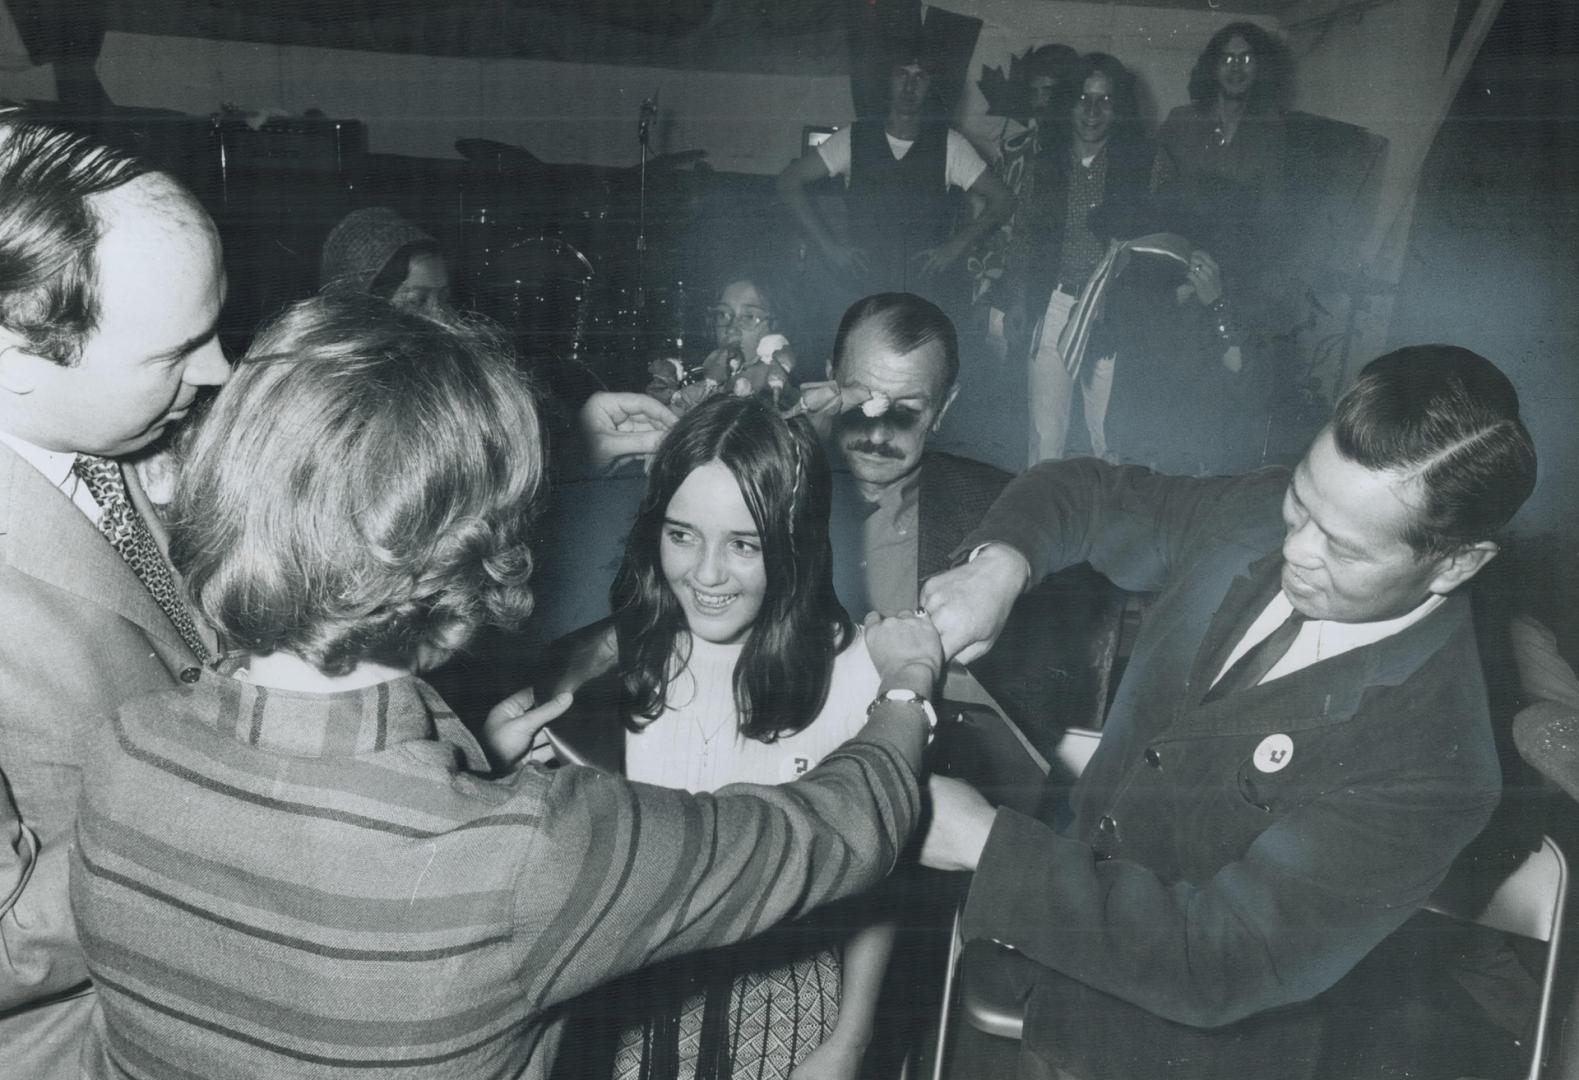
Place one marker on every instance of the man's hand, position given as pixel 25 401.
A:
pixel 513 724
pixel 617 426
pixel 823 402
pixel 1016 323
pixel 1205 279
pixel 934 261
pixel 961 820
pixel 836 1059
pixel 970 603
pixel 846 258
pixel 905 650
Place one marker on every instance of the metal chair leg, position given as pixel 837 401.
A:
pixel 940 1052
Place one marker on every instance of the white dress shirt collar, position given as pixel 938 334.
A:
pixel 55 466
pixel 1322 639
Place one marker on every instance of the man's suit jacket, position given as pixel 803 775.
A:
pixel 1199 901
pixel 79 636
pixel 1040 671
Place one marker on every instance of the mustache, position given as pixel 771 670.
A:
pixel 861 446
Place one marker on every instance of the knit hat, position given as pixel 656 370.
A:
pixel 362 244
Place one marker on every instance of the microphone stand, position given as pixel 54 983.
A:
pixel 649 109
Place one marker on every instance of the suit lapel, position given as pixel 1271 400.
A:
pixel 48 538
pixel 941 521
pixel 1246 598
pixel 931 508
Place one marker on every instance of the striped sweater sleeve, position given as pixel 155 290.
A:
pixel 659 872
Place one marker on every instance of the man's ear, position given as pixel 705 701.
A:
pixel 948 399
pixel 1455 569
pixel 19 367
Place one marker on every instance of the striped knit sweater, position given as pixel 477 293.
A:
pixel 277 884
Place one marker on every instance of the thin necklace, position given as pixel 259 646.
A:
pixel 709 736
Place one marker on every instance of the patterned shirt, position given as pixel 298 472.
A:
pixel 1079 250
pixel 1082 249
pixel 279 884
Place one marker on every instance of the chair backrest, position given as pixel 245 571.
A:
pixel 1529 901
pixel 1073 751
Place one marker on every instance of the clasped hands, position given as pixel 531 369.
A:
pixel 969 605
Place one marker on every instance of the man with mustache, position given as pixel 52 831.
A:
pixel 896 364
pixel 1300 746
pixel 110 289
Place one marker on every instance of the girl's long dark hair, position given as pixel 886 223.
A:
pixel 782 677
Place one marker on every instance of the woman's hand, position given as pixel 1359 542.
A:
pixel 905 650
pixel 721 364
pixel 513 724
pixel 835 1059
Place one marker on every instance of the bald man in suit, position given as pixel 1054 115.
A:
pixel 110 289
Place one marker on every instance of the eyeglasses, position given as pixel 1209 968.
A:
pixel 1241 59
pixel 748 321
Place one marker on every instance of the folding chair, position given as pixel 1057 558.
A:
pixel 978 1008
pixel 1530 903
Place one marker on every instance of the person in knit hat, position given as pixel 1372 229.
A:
pixel 375 250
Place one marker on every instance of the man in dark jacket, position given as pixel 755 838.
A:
pixel 1300 746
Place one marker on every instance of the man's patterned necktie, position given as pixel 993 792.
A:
pixel 128 534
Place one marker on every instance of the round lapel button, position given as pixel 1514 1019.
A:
pixel 1273 753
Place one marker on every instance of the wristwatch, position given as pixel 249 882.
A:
pixel 902 696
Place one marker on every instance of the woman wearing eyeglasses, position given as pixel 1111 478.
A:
pixel 750 352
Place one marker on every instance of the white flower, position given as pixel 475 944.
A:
pixel 770 345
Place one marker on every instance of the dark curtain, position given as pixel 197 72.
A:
pixel 953 40
pixel 950 37
pixel 68 34
pixel 55 30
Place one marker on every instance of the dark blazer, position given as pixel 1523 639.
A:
pixel 1040 671
pixel 1186 918
pixel 79 636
